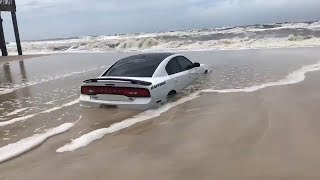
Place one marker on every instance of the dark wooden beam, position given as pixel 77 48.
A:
pixel 8 8
pixel 8 5
pixel 16 32
pixel 2 39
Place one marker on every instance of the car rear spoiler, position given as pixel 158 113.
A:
pixel 132 81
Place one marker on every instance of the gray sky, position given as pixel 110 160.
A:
pixel 42 19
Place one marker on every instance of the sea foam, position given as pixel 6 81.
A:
pixel 230 38
pixel 97 134
pixel 9 90
pixel 17 111
pixel 293 78
pixel 15 149
pixel 23 118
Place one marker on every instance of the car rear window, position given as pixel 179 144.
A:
pixel 133 68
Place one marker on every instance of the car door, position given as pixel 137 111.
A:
pixel 189 70
pixel 179 77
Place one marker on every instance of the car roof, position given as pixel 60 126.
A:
pixel 149 57
pixel 144 64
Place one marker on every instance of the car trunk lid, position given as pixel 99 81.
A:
pixel 115 89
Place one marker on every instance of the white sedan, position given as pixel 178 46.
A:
pixel 141 81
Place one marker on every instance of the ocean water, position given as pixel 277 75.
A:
pixel 39 97
pixel 279 35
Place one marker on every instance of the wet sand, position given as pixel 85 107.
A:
pixel 272 133
pixel 269 134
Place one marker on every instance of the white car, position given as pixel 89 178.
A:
pixel 141 81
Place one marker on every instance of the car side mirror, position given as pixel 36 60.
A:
pixel 196 64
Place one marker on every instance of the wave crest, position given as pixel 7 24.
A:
pixel 244 37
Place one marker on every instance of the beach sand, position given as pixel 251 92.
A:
pixel 272 133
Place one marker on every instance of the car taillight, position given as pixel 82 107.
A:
pixel 125 91
pixel 136 92
pixel 85 90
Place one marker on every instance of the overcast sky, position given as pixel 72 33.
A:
pixel 42 19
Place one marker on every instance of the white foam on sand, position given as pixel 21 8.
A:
pixel 5 91
pixel 99 133
pixel 12 121
pixel 15 149
pixel 50 102
pixel 294 77
pixel 17 111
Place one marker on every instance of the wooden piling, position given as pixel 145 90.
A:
pixel 16 32
pixel 2 39
pixel 9 5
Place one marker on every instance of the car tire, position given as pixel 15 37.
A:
pixel 171 94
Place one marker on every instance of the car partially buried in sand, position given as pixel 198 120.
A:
pixel 141 81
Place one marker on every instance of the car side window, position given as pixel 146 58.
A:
pixel 184 63
pixel 173 66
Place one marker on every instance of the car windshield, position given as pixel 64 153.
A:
pixel 133 68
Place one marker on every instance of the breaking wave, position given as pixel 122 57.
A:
pixel 280 35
